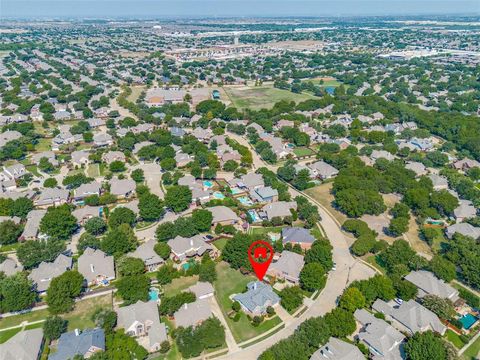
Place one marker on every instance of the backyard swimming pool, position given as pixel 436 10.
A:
pixel 207 183
pixel 218 195
pixel 236 191
pixel 245 200
pixel 253 214
pixel 468 320
pixel 153 294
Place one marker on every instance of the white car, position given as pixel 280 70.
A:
pixel 334 267
pixel 398 301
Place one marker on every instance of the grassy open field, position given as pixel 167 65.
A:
pixel 303 151
pixel 233 282
pixel 93 170
pixel 261 97
pixel 43 144
pixel 136 91
pixel 322 194
pixel 473 351
pixel 454 338
pixel 180 284
pixel 220 243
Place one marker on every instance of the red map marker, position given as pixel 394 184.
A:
pixel 260 254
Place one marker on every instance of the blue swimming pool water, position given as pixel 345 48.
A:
pixel 245 200
pixel 236 191
pixel 186 266
pixel 153 295
pixel 218 195
pixel 207 183
pixel 253 214
pixel 468 320
pixel 330 90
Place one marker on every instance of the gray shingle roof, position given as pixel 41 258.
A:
pixel 428 283
pixel 289 265
pixel 94 263
pixel 46 271
pixel 185 247
pixel 258 297
pixel 297 235
pixel 71 344
pixel 193 313
pixel 337 349
pixel 25 345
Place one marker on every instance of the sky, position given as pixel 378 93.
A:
pixel 229 8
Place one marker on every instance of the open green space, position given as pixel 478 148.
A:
pixel 261 97
pixel 180 284
pixel 18 319
pixel 263 231
pixel 43 144
pixel 220 243
pixel 7 334
pixel 93 170
pixel 233 282
pixel 303 151
pixel 472 351
pixel 454 338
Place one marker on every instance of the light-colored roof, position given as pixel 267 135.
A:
pixel 411 314
pixel 10 267
pixel 465 229
pixel 297 235
pixel 379 335
pixel 252 180
pixel 201 288
pixel 33 223
pixel 52 195
pixel 279 208
pixel 465 209
pixel 122 187
pixel 337 349
pixel 428 283
pixel 193 313
pixel 323 169
pixel 223 213
pixel 185 247
pixel 258 296
pixel 418 168
pixel 86 212
pixel 438 181
pixel 93 263
pixel 46 271
pixel 290 264
pixel 84 190
pixel 25 345
pixel 147 253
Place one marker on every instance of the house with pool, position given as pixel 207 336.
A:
pixel 189 248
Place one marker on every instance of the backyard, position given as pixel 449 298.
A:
pixel 233 282
pixel 180 284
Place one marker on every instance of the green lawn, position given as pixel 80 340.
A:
pixel 33 169
pixel 454 338
pixel 93 170
pixel 472 351
pixel 220 243
pixel 80 317
pixel 233 282
pixel 9 247
pixel 7 334
pixel 303 151
pixel 18 319
pixel 43 145
pixel 372 260
pixel 180 284
pixel 260 97
pixel 260 231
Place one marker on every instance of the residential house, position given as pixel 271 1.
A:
pixel 79 343
pixel 287 267
pixel 15 171
pixel 202 135
pixel 466 164
pixel 202 290
pixel 46 271
pixel 52 197
pixel 95 122
pixel 32 226
pixel 8 136
pixel 139 146
pixel 284 123
pixel 112 156
pixel 257 299
pixel 231 155
pixel 147 254
pixel 439 182
pixel 96 266
pixel 49 155
pixel 85 213
pixel 410 316
pixel 193 314
pixel 182 159
pixel 422 144
pixel 297 235
pixel 427 284
pixel 223 215
pixel 102 139
pixel 10 267
pixel 279 209
pixel 418 168
pixel 323 170
pixel 80 158
pixel 85 190
pixel 141 320
pixel 383 340
pixel 24 345
pixel 378 154
pixel 465 229
pixel 122 188
pixel 264 194
pixel 464 210
pixel 251 181
pixel 336 349
pixel 183 248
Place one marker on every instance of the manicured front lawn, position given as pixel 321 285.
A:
pixel 220 243
pixel 472 351
pixel 454 338
pixel 230 282
pixel 18 319
pixel 80 317
pixel 263 231
pixel 43 144
pixel 303 151
pixel 180 284
pixel 7 334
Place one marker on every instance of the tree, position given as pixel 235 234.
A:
pixel 128 266
pixel 21 207
pixel 50 183
pixel 202 219
pixel 119 241
pixel 137 175
pixel 166 231
pixel 352 299
pixel 95 226
pixel 443 308
pixel 63 290
pixel 166 274
pixel 230 165
pixel 291 297
pixel 235 250
pixel 105 319
pixel 32 253
pixel 58 223
pixel 16 293
pixel 168 164
pixel 425 345
pixel 170 304
pixel 121 346
pixel 443 268
pixel 45 165
pixel 117 166
pixel 398 226
pixel 378 286
pixel 340 322
pixel 9 232
pixel 121 215
pixel 178 198
pixel 133 288
pixel 312 277
pixel 320 252
pixel 163 250
pixel 151 207
pixel 53 327
pixel 208 271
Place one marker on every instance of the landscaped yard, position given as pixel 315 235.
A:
pixel 233 282
pixel 136 91
pixel 261 97
pixel 303 151
pixel 93 170
pixel 263 231
pixel 180 284
pixel 7 334
pixel 472 351
pixel 43 144
pixel 18 319
pixel 454 338
pixel 220 243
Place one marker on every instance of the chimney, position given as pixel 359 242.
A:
pixel 255 285
pixel 185 306
pixel 191 242
pixel 77 332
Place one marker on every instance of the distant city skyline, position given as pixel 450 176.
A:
pixel 78 9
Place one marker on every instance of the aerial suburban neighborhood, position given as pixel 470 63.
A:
pixel 139 160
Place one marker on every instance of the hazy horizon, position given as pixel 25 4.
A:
pixel 78 9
